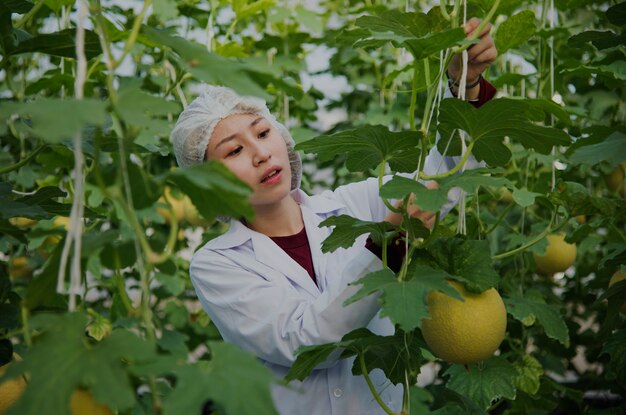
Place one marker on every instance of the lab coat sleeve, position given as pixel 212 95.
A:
pixel 353 195
pixel 271 318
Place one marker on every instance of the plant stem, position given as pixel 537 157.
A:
pixel 26 18
pixel 25 326
pixel 453 170
pixel 533 241
pixel 381 173
pixel 132 37
pixel 370 385
pixel 22 162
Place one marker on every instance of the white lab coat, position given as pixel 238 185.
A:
pixel 263 301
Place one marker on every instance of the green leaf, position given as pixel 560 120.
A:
pixel 309 357
pixel 468 261
pixel 396 355
pixel 617 14
pixel 529 373
pixel 206 66
pixel 407 25
pixel 615 347
pixel 515 30
pixel 214 190
pixel 15 6
pixel 63 359
pixel 471 180
pixel 165 9
pixel 524 197
pixel 433 44
pixel 49 116
pixel 404 302
pixel 229 375
pixel 493 379
pixel 366 147
pixel 601 40
pixel 147 113
pixel 61 43
pixel 578 201
pixel 410 30
pixel 433 200
pixel 611 150
pixel 533 305
pixel 489 124
pixel 174 343
pixel 430 200
pixel 347 229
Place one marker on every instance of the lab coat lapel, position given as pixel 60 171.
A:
pixel 316 236
pixel 270 254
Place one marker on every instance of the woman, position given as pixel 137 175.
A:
pixel 266 284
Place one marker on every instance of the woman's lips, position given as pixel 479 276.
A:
pixel 273 179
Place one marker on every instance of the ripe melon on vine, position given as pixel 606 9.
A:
pixel 465 331
pixel 10 390
pixel 83 403
pixel 558 257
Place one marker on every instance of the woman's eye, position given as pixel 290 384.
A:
pixel 264 133
pixel 234 152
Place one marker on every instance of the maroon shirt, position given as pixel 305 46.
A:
pixel 297 246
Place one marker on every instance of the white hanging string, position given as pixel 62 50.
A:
pixel 75 229
pixel 461 227
pixel 552 18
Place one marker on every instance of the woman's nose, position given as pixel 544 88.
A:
pixel 261 153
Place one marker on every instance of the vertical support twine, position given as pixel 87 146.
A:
pixel 462 222
pixel 75 230
pixel 552 18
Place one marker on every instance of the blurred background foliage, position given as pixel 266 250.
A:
pixel 136 337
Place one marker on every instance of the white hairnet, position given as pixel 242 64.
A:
pixel 196 123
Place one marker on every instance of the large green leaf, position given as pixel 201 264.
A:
pixel 600 39
pixel 515 30
pixel 347 229
pixel 433 199
pixel 50 117
pixel 404 302
pixel 15 6
pixel 61 43
pixel 63 358
pixel 392 354
pixel 229 375
pixel 410 30
pixel 214 190
pixel 612 150
pixel 489 124
pixel 309 357
pixel 146 112
pixel 617 14
pixel 468 261
pixel 397 356
pixel 205 66
pixel 531 308
pixel 430 200
pixel 367 147
pixel 492 379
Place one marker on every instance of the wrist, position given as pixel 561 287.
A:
pixel 472 87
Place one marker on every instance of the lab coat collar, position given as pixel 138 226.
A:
pixel 238 233
pixel 268 253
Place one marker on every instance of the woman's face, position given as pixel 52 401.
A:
pixel 256 153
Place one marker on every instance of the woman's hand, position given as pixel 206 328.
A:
pixel 427 218
pixel 479 57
